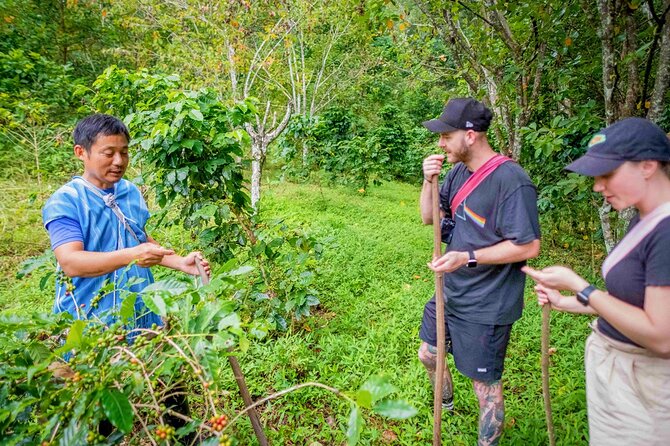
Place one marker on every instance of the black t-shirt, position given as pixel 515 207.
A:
pixel 503 207
pixel 648 264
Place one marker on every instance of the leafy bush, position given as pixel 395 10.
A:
pixel 130 383
pixel 106 377
pixel 34 92
pixel 353 151
pixel 191 148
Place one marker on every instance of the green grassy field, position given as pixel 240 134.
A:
pixel 373 282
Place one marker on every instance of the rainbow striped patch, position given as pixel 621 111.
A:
pixel 597 139
pixel 479 220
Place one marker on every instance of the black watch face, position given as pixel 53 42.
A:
pixel 583 299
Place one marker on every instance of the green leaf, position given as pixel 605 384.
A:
pixel 379 387
pixel 364 398
pixel 74 337
pixel 127 310
pixel 155 303
pixel 207 211
pixel 182 173
pixel 170 286
pixel 395 409
pixel 230 320
pixel 117 409
pixel 354 426
pixel 74 433
pixel 205 316
pixel 196 115
pixel 38 352
pixel 34 263
pixel 241 270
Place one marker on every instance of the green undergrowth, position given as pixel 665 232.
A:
pixel 374 282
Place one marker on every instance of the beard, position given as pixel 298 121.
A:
pixel 461 154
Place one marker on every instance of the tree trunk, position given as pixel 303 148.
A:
pixel 305 154
pixel 662 77
pixel 609 63
pixel 257 162
pixel 606 225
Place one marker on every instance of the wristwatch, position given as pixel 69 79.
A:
pixel 583 295
pixel 472 263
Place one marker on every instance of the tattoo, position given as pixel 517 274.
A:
pixel 491 412
pixel 428 357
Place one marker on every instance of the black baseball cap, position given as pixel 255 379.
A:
pixel 631 139
pixel 461 114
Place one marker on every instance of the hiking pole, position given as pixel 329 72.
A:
pixel 239 377
pixel 439 317
pixel 546 312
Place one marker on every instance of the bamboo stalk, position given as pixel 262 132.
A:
pixel 439 317
pixel 546 312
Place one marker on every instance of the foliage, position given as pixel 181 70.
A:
pixel 81 35
pixel 372 294
pixel 354 151
pixel 32 88
pixel 129 377
pixel 33 92
pixel 191 147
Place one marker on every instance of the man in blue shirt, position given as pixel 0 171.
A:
pixel 96 225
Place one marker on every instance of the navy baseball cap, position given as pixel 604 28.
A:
pixel 631 139
pixel 461 114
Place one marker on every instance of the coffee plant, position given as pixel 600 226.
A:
pixel 85 382
pixel 191 147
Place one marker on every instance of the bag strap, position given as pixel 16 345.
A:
pixel 635 236
pixel 110 202
pixel 476 178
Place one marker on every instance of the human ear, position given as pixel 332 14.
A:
pixel 79 151
pixel 648 168
pixel 470 137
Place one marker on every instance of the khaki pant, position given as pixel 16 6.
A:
pixel 627 393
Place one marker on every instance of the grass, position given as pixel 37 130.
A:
pixel 374 282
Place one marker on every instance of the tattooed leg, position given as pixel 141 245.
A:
pixel 428 357
pixel 491 411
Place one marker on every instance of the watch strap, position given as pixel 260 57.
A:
pixel 472 262
pixel 583 295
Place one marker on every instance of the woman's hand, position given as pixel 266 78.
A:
pixel 548 296
pixel 557 278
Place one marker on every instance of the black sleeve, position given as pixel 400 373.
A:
pixel 517 218
pixel 657 256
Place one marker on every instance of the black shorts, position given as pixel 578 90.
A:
pixel 478 349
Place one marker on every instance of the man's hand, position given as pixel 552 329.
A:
pixel 449 262
pixel 150 254
pixel 187 264
pixel 432 166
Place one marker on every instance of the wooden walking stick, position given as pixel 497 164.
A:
pixel 239 377
pixel 546 312
pixel 439 317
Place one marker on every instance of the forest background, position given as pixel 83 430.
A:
pixel 285 136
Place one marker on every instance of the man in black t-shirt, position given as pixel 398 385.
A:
pixel 496 231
